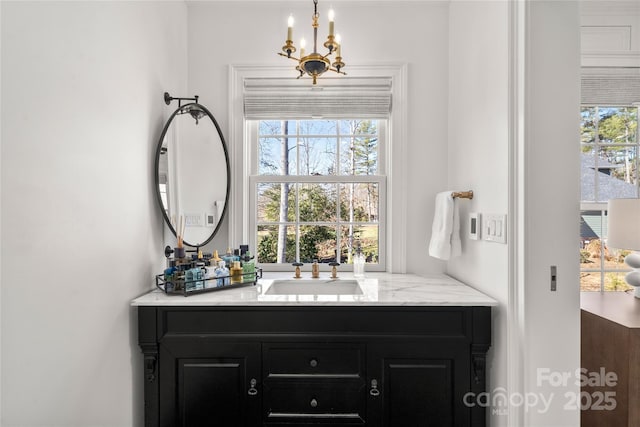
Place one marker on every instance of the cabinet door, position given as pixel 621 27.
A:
pixel 208 383
pixel 417 384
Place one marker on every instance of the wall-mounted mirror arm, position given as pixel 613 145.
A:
pixel 168 99
pixel 195 109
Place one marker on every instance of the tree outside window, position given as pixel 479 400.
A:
pixel 609 169
pixel 318 190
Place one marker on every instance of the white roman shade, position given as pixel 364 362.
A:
pixel 331 98
pixel 610 86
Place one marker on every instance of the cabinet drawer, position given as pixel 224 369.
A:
pixel 449 322
pixel 315 401
pixel 312 360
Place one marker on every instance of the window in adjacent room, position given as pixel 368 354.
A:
pixel 609 149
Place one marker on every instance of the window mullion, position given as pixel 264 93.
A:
pixel 608 153
pixel 317 146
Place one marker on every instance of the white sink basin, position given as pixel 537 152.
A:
pixel 314 287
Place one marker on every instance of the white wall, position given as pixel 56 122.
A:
pixel 551 192
pixel 479 154
pixel 82 109
pixel 610 33
pixel 416 33
pixel 478 157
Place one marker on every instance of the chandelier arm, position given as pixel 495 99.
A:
pixel 287 56
pixel 336 71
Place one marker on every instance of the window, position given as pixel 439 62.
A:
pixel 270 95
pixel 609 149
pixel 318 191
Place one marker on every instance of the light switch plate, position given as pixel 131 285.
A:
pixel 494 228
pixel 193 220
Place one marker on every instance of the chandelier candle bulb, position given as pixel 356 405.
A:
pixel 331 17
pixel 303 44
pixel 290 28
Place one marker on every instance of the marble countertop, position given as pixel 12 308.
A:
pixel 377 289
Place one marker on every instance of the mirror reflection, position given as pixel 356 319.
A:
pixel 192 174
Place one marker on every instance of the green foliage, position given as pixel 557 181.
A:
pixel 272 207
pixel 618 126
pixel 610 133
pixel 311 203
pixel 268 247
pixel 614 282
pixel 317 202
pixel 613 125
pixel 313 240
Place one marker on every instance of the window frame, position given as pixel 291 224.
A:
pixel 380 179
pixel 396 158
pixel 601 206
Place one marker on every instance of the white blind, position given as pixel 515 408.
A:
pixel 331 98
pixel 610 86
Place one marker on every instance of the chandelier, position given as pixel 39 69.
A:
pixel 315 64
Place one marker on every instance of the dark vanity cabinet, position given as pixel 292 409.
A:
pixel 313 365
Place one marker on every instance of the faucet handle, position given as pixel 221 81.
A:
pixel 334 270
pixel 297 265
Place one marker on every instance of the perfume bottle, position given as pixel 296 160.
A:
pixel 248 267
pixel 229 258
pixel 195 279
pixel 236 272
pixel 222 273
pixel 210 280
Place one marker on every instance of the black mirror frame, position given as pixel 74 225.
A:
pixel 157 166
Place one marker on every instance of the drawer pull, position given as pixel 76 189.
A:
pixel 252 390
pixel 314 403
pixel 374 388
pixel 313 363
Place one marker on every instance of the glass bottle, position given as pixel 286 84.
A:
pixel 358 262
pixel 236 273
pixel 248 267
pixel 222 273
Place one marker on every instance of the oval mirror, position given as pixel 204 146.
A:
pixel 192 174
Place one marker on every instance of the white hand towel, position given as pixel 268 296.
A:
pixel 456 244
pixel 445 231
pixel 219 208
